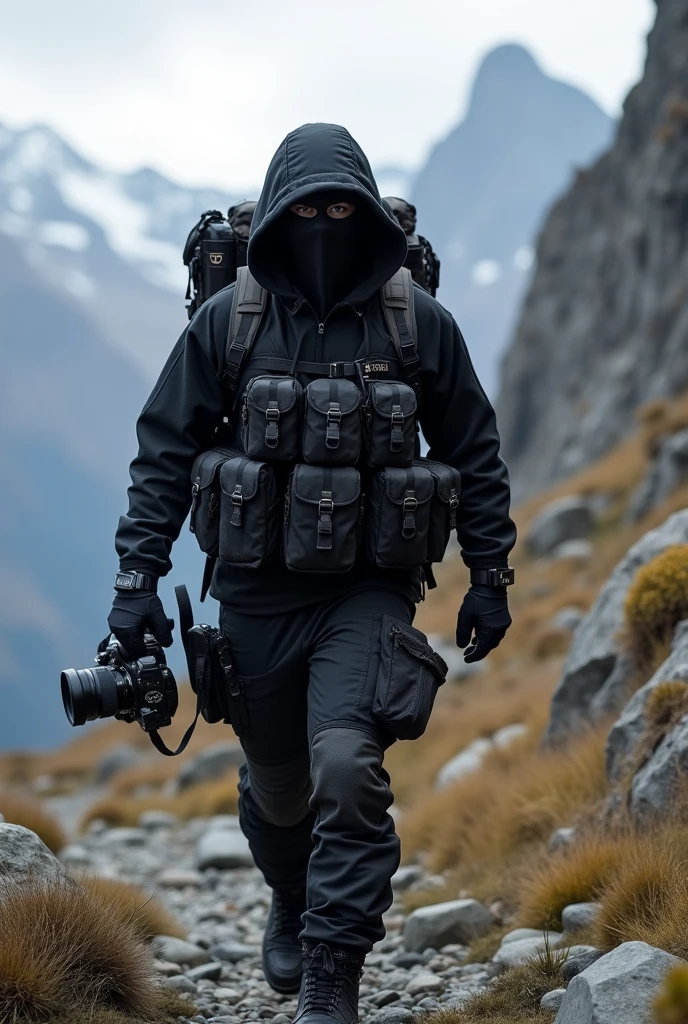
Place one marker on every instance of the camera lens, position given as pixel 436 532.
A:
pixel 90 693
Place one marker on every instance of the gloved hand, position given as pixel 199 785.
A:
pixel 483 621
pixel 135 612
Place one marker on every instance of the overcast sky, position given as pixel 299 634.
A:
pixel 204 90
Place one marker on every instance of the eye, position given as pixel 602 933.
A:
pixel 339 211
pixel 303 211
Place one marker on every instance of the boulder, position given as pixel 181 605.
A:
pixel 568 619
pixel 561 839
pixel 654 786
pixel 565 519
pixel 406 876
pixel 471 758
pixel 519 934
pixel 667 471
pixel 553 1000
pixel 519 951
pixel 628 730
pixel 618 987
pixel 24 857
pixel 436 926
pixel 223 848
pixel 595 647
pixel 211 763
pixel 579 961
pixel 578 916
pixel 116 760
pixel 450 653
pixel 153 820
pixel 574 551
pixel 178 951
pixel 393 1015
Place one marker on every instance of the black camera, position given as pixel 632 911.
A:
pixel 139 690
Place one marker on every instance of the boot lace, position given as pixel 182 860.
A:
pixel 324 977
pixel 287 908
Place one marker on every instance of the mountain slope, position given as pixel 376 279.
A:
pixel 486 187
pixel 605 323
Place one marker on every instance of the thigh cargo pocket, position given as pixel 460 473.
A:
pixel 444 508
pixel 204 520
pixel 251 513
pixel 398 517
pixel 332 423
pixel 271 419
pixel 322 519
pixel 410 675
pixel 390 424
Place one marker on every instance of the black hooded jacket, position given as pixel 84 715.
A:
pixel 188 402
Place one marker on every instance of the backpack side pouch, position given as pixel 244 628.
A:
pixel 271 419
pixel 390 424
pixel 251 513
pixel 409 676
pixel 204 520
pixel 445 505
pixel 398 517
pixel 322 519
pixel 332 432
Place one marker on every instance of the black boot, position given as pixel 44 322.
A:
pixel 329 990
pixel 282 956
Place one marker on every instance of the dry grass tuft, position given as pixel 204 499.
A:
pixel 505 811
pixel 514 997
pixel 671 1003
pixel 170 1007
pixel 138 779
pixel 657 601
pixel 19 809
pixel 484 948
pixel 202 801
pixel 64 953
pixel 144 913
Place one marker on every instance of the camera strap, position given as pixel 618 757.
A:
pixel 196 674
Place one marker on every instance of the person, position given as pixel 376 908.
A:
pixel 421 259
pixel 314 795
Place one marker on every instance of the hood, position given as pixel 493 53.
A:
pixel 320 158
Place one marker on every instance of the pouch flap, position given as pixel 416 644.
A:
pixel 241 473
pixel 284 390
pixel 206 466
pixel 398 481
pixel 447 479
pixel 386 395
pixel 344 482
pixel 320 394
pixel 400 634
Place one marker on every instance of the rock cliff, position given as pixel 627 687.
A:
pixel 604 326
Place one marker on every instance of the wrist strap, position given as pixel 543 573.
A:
pixel 493 577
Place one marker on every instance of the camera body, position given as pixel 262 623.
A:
pixel 139 690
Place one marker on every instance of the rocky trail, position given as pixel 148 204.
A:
pixel 202 872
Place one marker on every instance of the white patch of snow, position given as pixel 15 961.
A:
pixel 485 273
pixel 125 223
pixel 79 284
pixel 524 258
pixel 64 233
pixel 20 199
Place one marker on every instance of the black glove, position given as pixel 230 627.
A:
pixel 485 613
pixel 135 612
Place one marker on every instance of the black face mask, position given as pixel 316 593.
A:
pixel 326 256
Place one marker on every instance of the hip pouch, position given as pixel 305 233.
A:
pixel 322 519
pixel 444 508
pixel 390 424
pixel 212 677
pixel 251 513
pixel 332 431
pixel 204 520
pixel 398 517
pixel 271 419
pixel 409 676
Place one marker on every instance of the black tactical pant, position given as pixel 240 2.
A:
pixel 314 796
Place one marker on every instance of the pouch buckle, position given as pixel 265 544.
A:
pixel 325 510
pixel 409 507
pixel 272 415
pixel 337 370
pixel 453 506
pixel 237 500
pixel 396 440
pixel 334 418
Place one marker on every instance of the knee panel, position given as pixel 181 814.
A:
pixel 281 792
pixel 348 782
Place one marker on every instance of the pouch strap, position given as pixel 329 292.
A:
pixel 272 416
pixel 397 305
pixel 237 497
pixel 396 438
pixel 334 418
pixel 409 507
pixel 325 513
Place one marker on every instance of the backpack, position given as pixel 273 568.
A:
pixel 214 250
pixel 248 307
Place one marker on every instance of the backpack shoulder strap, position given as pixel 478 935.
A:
pixel 248 306
pixel 397 305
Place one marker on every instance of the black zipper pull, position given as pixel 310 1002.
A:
pixel 321 328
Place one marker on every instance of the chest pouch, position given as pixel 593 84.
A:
pixel 250 514
pixel 398 517
pixel 332 431
pixel 390 424
pixel 322 518
pixel 204 520
pixel 444 508
pixel 271 419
